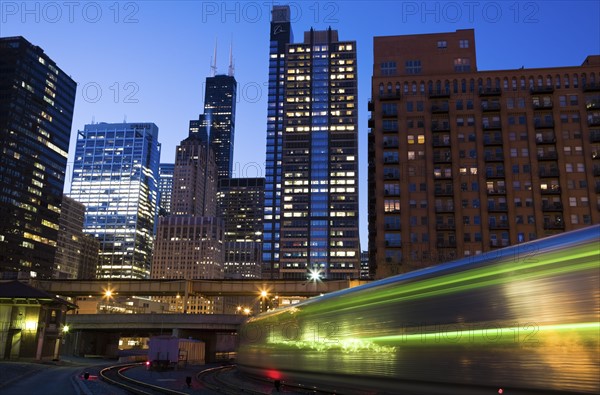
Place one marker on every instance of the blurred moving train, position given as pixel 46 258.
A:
pixel 523 319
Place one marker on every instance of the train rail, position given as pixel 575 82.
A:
pixel 228 380
pixel 114 375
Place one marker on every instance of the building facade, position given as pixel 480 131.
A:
pixel 89 257
pixel 166 172
pixel 219 112
pixel 115 175
pixel 319 208
pixel 280 36
pixel 77 253
pixel 365 272
pixel 36 112
pixel 194 178
pixel 189 247
pixel 311 188
pixel 189 242
pixel 241 203
pixel 463 161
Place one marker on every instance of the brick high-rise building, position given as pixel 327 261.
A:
pixel 463 161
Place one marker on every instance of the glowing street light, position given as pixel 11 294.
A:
pixel 108 292
pixel 314 274
pixel 264 297
pixel 106 297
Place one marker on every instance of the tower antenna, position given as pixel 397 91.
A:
pixel 213 66
pixel 231 67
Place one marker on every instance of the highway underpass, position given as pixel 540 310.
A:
pixel 99 334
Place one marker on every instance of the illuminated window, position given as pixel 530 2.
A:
pixel 462 64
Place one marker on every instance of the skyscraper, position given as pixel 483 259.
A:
pixel 311 191
pixel 189 241
pixel 194 177
pixel 217 124
pixel 465 161
pixel 219 112
pixel 115 175
pixel 280 36
pixel 36 111
pixel 241 203
pixel 319 209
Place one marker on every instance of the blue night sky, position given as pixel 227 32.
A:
pixel 147 60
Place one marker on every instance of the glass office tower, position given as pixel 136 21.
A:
pixel 280 35
pixel 115 175
pixel 219 111
pixel 36 111
pixel 319 159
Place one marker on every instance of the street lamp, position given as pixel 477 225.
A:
pixel 108 294
pixel 264 294
pixel 314 274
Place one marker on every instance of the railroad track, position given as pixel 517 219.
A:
pixel 222 380
pixel 227 380
pixel 114 375
pixel 214 379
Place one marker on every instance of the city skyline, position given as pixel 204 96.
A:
pixel 111 87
